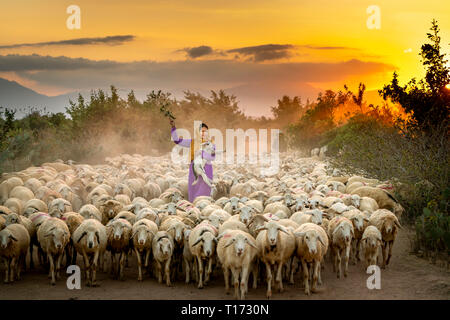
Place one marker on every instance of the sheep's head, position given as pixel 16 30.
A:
pixel 313 203
pixel 6 237
pixel 273 230
pixel 245 214
pixel 358 221
pixel 143 234
pixel 234 202
pixel 391 224
pixel 165 243
pixel 356 200
pixel 299 204
pixel 208 242
pixel 288 199
pixel 344 230
pixel 311 238
pixel 12 218
pixel 178 230
pixel 111 208
pixel 119 227
pixel 372 240
pixel 92 238
pixel 240 241
pixel 216 220
pixel 316 216
pixel 60 236
pixel 58 207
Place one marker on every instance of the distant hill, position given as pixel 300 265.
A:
pixel 17 97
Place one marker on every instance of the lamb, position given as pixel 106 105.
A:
pixel 388 224
pixel 89 211
pixel 6 187
pixel 53 236
pixel 341 233
pixel 13 218
pixel 312 245
pixel 142 235
pixel 118 234
pixel 127 215
pixel 314 216
pixel 188 257
pixel 371 243
pixel 353 200
pixel 202 243
pixel 14 242
pixel 383 198
pixel 14 205
pixel 90 241
pixel 245 214
pixel 199 164
pixel 236 251
pixel 175 227
pixel 162 248
pixel 276 245
pixel 232 225
pixel 22 193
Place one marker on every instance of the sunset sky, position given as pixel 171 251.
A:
pixel 257 49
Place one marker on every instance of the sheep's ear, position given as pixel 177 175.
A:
pixel 321 240
pixel 299 234
pixel 251 243
pixel 230 242
pixel 197 242
pixel 84 233
pixel 12 237
pixel 97 235
pixel 397 224
pixel 261 228
pixel 366 218
pixel 283 229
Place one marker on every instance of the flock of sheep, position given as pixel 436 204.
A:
pixel 270 227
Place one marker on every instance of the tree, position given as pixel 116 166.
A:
pixel 288 110
pixel 428 100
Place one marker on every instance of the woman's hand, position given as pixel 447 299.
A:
pixel 172 123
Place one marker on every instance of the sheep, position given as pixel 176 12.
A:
pixel 341 233
pixel 34 205
pixel 13 218
pixel 275 207
pixel 314 216
pixel 353 199
pixel 6 187
pixel 2 222
pixel 127 215
pixel 236 251
pixel 388 224
pixel 58 207
pixel 89 211
pixel 149 214
pixel 109 209
pixel 14 242
pixel 90 240
pixel 188 257
pixel 162 248
pixel 366 181
pixel 142 235
pixel 73 221
pixel 315 152
pixel 232 225
pixel 118 234
pixel 368 204
pixel 245 214
pixel 124 199
pixel 14 205
pixel 312 245
pixel 175 228
pixel 218 217
pixel 233 204
pixel 22 193
pixel 371 243
pixel 329 201
pixel 53 236
pixel 383 198
pixel 355 185
pixel 255 222
pixel 202 243
pixel 360 222
pixel 151 191
pixel 276 245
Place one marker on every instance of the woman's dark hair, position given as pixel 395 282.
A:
pixel 204 126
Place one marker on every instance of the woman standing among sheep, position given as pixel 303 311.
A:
pixel 200 187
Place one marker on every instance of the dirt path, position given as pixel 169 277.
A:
pixel 407 277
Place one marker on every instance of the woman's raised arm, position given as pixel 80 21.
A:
pixel 182 142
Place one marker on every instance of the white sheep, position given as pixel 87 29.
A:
pixel 14 242
pixel 360 222
pixel 236 251
pixel 202 243
pixel 118 233
pixel 53 237
pixel 384 199
pixel 142 235
pixel 371 243
pixel 90 241
pixel 312 245
pixel 162 248
pixel 276 244
pixel 388 224
pixel 341 233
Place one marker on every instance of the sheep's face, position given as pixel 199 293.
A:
pixel 356 200
pixel 316 216
pixel 165 246
pixel 311 239
pixel 5 238
pixel 112 208
pixel 12 218
pixel 299 204
pixel 272 233
pixel 92 239
pixel 215 220
pixel 143 235
pixel 345 231
pixel 288 199
pixel 372 242
pixel 234 202
pixel 29 211
pixel 171 208
pixel 358 222
pixel 245 214
pixel 118 229
pixel 60 237
pixel 313 203
pixel 209 244
pixel 179 232
pixel 240 242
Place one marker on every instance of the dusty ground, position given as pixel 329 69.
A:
pixel 407 277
